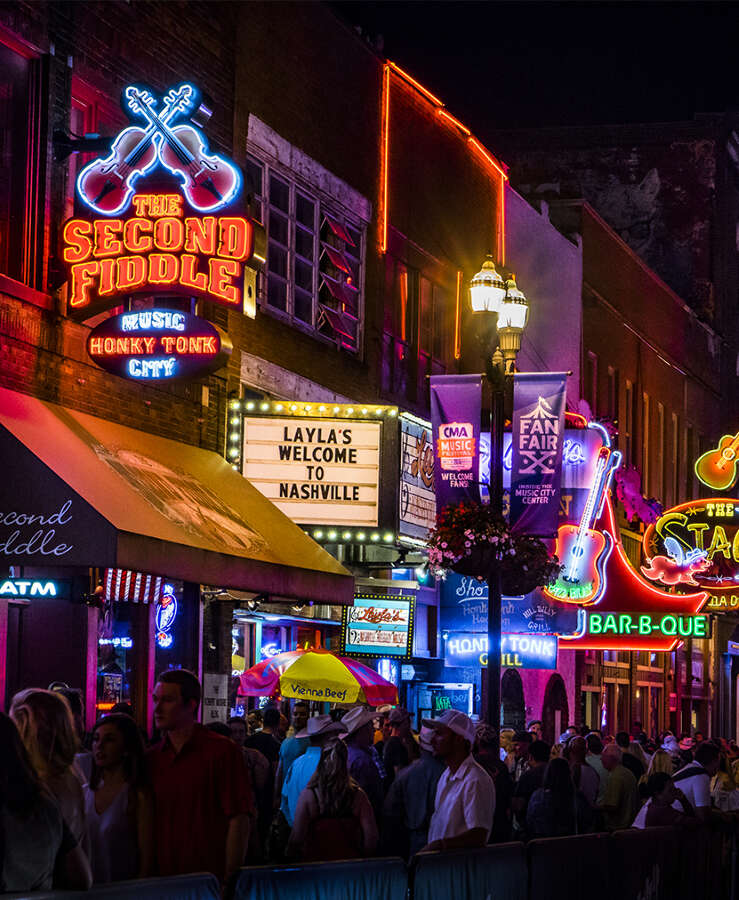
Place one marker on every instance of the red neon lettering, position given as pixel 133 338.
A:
pixel 163 267
pixel 189 277
pixel 208 345
pixel 82 280
pixel 169 234
pixel 96 346
pixel 131 272
pixel 106 284
pixel 132 238
pixel 201 236
pixel 106 242
pixel 168 342
pixel 149 343
pixel 221 273
pixel 235 234
pixel 76 236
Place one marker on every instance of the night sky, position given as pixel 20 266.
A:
pixel 501 65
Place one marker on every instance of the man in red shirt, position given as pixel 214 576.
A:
pixel 201 788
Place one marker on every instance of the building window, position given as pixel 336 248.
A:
pixel 14 114
pixel 628 431
pixel 315 255
pixel 591 382
pixel 661 454
pixel 645 467
pixel 613 394
pixel 688 457
pixel 675 460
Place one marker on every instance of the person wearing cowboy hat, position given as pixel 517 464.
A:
pixel 320 731
pixel 364 763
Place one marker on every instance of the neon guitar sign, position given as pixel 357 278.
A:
pixel 717 468
pixel 208 182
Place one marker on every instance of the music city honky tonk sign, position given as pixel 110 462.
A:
pixel 157 213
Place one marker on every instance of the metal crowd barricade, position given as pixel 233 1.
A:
pixel 497 871
pixel 568 867
pixel 356 879
pixel 177 887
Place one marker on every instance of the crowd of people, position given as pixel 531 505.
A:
pixel 79 808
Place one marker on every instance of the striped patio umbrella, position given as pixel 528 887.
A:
pixel 317 675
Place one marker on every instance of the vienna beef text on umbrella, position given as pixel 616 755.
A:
pixel 317 675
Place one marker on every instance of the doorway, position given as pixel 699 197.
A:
pixel 512 701
pixel 556 711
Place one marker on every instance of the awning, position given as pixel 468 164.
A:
pixel 77 490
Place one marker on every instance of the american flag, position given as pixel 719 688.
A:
pixel 127 586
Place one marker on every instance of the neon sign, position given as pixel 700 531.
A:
pixel 125 643
pixel 697 543
pixel 520 651
pixel 269 650
pixel 165 616
pixel 158 344
pixel 668 624
pixel 25 588
pixel 208 181
pixel 717 468
pixel 159 248
pixel 155 215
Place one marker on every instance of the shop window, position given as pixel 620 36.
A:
pixel 14 118
pixel 613 394
pixel 645 447
pixel 661 453
pixel 315 255
pixel 118 653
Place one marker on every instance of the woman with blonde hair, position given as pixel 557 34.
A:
pixel 333 818
pixel 46 726
pixel 660 762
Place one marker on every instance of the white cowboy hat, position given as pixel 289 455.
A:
pixel 357 718
pixel 321 725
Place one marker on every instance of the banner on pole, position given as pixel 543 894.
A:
pixel 538 439
pixel 456 405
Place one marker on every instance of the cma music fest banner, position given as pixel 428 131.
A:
pixel 160 214
pixel 456 411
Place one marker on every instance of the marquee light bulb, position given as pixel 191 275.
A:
pixel 250 405
pixel 332 535
pixel 234 451
pixel 235 420
pixel 318 535
pixel 346 535
pixel 293 407
pixel 350 411
pixel 278 407
pixel 336 409
pixel 387 537
pixel 364 411
pixel 393 412
pixel 375 537
pixel 264 406
pixel 360 535
pixel 321 409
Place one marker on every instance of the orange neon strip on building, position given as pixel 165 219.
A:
pixel 416 84
pixel 458 318
pixel 452 121
pixel 486 155
pixel 384 161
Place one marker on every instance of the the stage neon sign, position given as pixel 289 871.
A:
pixel 158 344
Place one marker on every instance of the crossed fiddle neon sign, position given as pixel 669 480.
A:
pixel 208 181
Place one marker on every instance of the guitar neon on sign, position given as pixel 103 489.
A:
pixel 717 468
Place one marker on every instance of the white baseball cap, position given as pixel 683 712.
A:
pixel 455 721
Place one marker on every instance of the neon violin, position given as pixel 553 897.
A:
pixel 717 468
pixel 107 185
pixel 582 550
pixel 208 180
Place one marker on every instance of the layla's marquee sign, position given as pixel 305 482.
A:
pixel 158 344
pixel 158 214
pixel 317 471
pixel 696 545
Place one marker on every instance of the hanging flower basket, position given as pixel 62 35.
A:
pixel 472 540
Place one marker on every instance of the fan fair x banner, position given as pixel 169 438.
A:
pixel 456 409
pixel 538 439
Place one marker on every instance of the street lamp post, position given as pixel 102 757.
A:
pixel 504 311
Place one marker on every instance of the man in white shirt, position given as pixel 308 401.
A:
pixel 465 795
